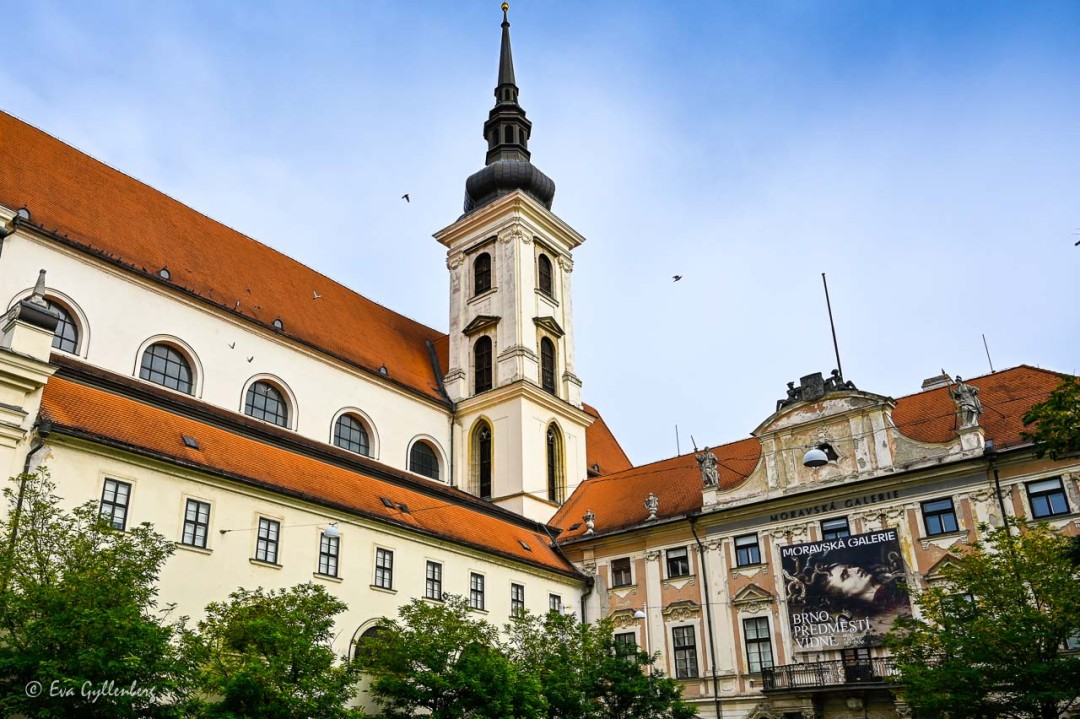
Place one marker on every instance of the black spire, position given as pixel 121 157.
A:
pixel 507 132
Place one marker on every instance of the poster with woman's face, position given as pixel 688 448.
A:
pixel 844 592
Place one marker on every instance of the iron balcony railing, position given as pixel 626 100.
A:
pixel 814 675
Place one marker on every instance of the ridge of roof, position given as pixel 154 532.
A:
pixel 997 373
pixel 95 414
pixel 133 225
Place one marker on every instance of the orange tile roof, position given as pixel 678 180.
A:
pixel 601 448
pixel 105 212
pixel 103 416
pixel 617 499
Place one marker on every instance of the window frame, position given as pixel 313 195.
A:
pixel 329 555
pixel 835 531
pixel 517 599
pixel 757 642
pixel 685 653
pixel 1046 495
pixel 341 442
pixel 483 352
pixel 549 361
pixel 477 596
pixel 482 276
pixel 69 319
pixel 556 476
pixel 195 523
pixel 618 572
pixel 268 540
pixel 384 569
pixel 433 573
pixel 482 461
pixel 669 559
pixel 625 643
pixel 752 551
pixel 543 260
pixel 938 515
pixel 174 357
pixel 430 446
pixel 250 394
pixel 114 505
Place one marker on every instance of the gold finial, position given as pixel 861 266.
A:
pixel 505 6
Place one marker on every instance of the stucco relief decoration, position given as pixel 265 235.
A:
pixel 590 523
pixel 623 618
pixel 566 264
pixel 761 711
pixel 455 261
pixel 652 504
pixel 682 611
pixel 589 568
pixel 790 531
pixel 652 555
pixel 707 463
pixel 968 406
pixel 514 232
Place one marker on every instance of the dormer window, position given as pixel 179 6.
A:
pixel 481 273
pixel 545 279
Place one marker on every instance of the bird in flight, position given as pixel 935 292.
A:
pixel 406 197
pixel 315 295
pixel 232 345
pixel 250 358
pixel 676 278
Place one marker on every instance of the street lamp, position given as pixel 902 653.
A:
pixel 643 614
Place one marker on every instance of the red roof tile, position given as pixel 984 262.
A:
pixel 142 427
pixel 618 499
pixel 601 448
pixel 104 211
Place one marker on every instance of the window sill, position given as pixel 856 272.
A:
pixel 377 588
pixel 944 535
pixel 262 563
pixel 193 548
pixel 482 295
pixel 1054 517
pixel 755 565
pixel 478 610
pixel 433 600
pixel 623 587
pixel 326 577
pixel 679 578
pixel 546 297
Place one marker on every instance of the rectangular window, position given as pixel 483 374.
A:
pixel 685 652
pixel 384 568
pixel 747 550
pixel 620 572
pixel 433 581
pixel 939 516
pixel 678 563
pixel 517 600
pixel 758 644
pixel 266 546
pixel 196 523
pixel 555 603
pixel 115 496
pixel 625 644
pixel 328 555
pixel 834 529
pixel 1072 642
pixel 1047 498
pixel 476 591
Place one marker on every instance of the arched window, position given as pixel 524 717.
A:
pixel 165 365
pixel 265 402
pixel 556 480
pixel 350 434
pixel 481 273
pixel 363 643
pixel 544 275
pixel 482 379
pixel 423 460
pixel 66 336
pixel 481 460
pixel 547 365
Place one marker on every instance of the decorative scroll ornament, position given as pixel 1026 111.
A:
pixel 652 555
pixel 514 232
pixel 566 264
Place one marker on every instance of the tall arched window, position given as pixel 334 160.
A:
pixel 165 365
pixel 556 480
pixel 423 460
pixel 482 379
pixel 66 336
pixel 363 643
pixel 544 276
pixel 481 273
pixel 481 460
pixel 265 402
pixel 350 434
pixel 547 365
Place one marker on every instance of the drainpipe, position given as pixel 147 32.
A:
pixel 44 430
pixel 708 616
pixel 990 453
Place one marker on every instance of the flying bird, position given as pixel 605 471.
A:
pixel 406 197
pixel 251 358
pixel 676 278
pixel 237 305
pixel 315 295
pixel 232 345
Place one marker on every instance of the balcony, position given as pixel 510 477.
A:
pixel 827 675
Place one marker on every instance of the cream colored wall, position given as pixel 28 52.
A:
pixel 193 577
pixel 123 312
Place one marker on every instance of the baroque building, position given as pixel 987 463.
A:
pixel 182 374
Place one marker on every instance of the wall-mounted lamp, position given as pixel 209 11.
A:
pixel 815 458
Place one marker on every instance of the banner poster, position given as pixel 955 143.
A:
pixel 844 592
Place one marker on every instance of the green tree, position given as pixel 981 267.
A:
pixel 268 654
pixel 438 658
pixel 1056 420
pixel 584 674
pixel 78 613
pixel 991 640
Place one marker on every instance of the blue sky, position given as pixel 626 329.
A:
pixel 926 155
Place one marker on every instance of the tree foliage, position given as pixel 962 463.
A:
pixel 1056 420
pixel 78 612
pixel 991 640
pixel 442 659
pixel 268 654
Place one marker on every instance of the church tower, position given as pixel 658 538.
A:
pixel 519 428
